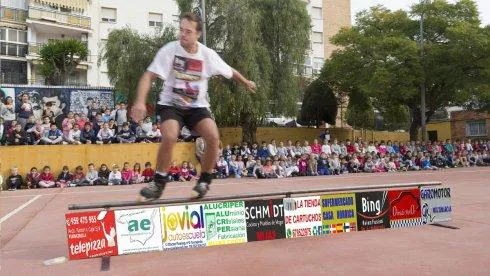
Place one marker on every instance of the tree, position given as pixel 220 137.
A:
pixel 381 59
pixel 360 111
pixel 60 58
pixel 319 105
pixel 128 55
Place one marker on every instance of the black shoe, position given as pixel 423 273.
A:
pixel 154 189
pixel 202 185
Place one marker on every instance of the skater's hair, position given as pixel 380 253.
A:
pixel 193 18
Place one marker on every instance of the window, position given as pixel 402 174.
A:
pixel 316 13
pixel 308 61
pixel 155 19
pixel 476 128
pixel 12 35
pixel 3 34
pixel 317 37
pixel 22 37
pixel 109 15
pixel 318 63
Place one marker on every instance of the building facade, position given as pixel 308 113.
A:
pixel 26 25
pixel 470 124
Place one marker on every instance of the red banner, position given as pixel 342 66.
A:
pixel 404 204
pixel 91 234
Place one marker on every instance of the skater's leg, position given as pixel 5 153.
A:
pixel 169 138
pixel 209 131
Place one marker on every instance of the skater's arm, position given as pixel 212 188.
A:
pixel 138 110
pixel 250 85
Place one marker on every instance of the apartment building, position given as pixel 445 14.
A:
pixel 26 25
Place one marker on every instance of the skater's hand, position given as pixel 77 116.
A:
pixel 251 86
pixel 138 111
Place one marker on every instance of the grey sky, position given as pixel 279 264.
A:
pixel 358 5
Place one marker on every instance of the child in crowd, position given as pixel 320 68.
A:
pixel 46 179
pixel 125 135
pixel 87 135
pixel 115 177
pixel 78 177
pixel 268 170
pixel 174 171
pixel 222 167
pixel 92 176
pixel 126 174
pixel 33 178
pixel 74 135
pixel 302 164
pixel 153 135
pixel 64 178
pixel 103 175
pixel 14 181
pixel 184 172
pixel 148 173
pixel 192 170
pixel 53 136
pixel 137 176
pixel 105 135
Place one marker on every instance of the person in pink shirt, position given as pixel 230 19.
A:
pixel 316 148
pixel 382 147
pixel 185 174
pixel 302 165
pixel 68 123
pixel 127 174
pixel 81 120
pixel 46 179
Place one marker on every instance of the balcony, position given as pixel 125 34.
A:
pixel 35 49
pixel 13 15
pixel 13 49
pixel 57 17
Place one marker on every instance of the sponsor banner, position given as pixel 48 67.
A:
pixel 405 208
pixel 265 219
pixel 303 217
pixel 225 222
pixel 338 213
pixel 436 204
pixel 138 230
pixel 372 210
pixel 183 226
pixel 91 234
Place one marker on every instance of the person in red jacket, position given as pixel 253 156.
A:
pixel 148 173
pixel 174 171
pixel 46 178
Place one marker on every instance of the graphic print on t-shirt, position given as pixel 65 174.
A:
pixel 188 73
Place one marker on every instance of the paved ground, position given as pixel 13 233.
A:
pixel 37 232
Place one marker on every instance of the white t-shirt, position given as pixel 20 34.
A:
pixel 186 75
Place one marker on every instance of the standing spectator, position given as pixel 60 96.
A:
pixel 121 115
pixel 148 173
pixel 105 135
pixel 15 180
pixel 325 136
pixel 54 136
pixel 24 110
pixel 103 175
pixel 92 109
pixel 7 111
pixel 33 178
pixel 46 179
pixel 64 178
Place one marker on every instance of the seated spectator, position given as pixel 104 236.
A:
pixel 313 165
pixel 222 168
pixel 137 175
pixel 87 135
pixel 335 147
pixel 369 165
pixel 92 176
pixel 426 165
pixel 126 174
pixel 259 169
pixel 302 164
pixel 74 136
pixel 268 170
pixel 33 178
pixel 46 179
pixel 140 133
pixel 334 164
pixel 14 181
pixel 52 137
pixel 263 152
pixel 105 135
pixel 46 125
pixel 174 171
pixel 391 167
pixel 78 177
pixel 64 178
pixel 148 173
pixel 103 175
pixel 35 133
pixel 306 147
pixel 192 170
pixel 184 173
pixel 227 152
pixel 67 124
pixel 272 149
pixel 322 164
pixel 411 165
pixel 48 112
pixel 125 135
pixel 254 151
pixel 154 135
pixel 113 126
pixel 343 149
pixel 121 115
pixel 233 168
pixel 147 124
pixel 18 137
pixel 2 131
pixel 98 123
pixel 30 123
pixel 106 116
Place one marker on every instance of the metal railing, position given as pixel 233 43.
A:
pixel 35 50
pixel 59 17
pixel 108 205
pixel 13 49
pixel 13 15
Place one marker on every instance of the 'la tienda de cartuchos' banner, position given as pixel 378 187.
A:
pixel 265 219
pixel 303 217
pixel 225 222
pixel 339 213
pixel 183 226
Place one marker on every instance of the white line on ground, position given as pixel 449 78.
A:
pixel 262 181
pixel 18 209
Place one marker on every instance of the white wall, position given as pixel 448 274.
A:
pixel 317 49
pixel 129 13
pixel 16 4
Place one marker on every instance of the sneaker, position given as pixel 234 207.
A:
pixel 202 185
pixel 154 189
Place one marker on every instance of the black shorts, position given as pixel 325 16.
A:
pixel 188 117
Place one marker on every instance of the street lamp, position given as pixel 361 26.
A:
pixel 422 83
pixel 202 13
